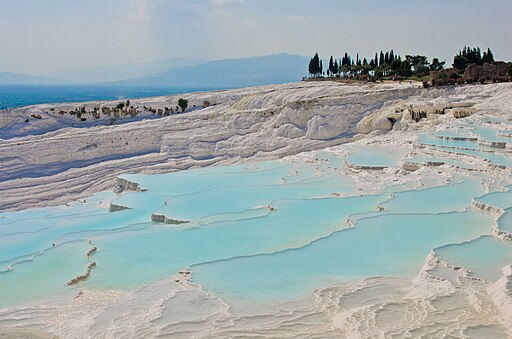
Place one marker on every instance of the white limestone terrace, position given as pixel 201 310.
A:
pixel 434 305
pixel 54 158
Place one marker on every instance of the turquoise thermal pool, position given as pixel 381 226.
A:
pixel 267 233
pixel 375 156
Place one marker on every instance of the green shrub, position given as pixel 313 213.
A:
pixel 183 104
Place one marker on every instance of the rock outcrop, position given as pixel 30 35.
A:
pixel 379 121
pixel 400 118
pixel 374 122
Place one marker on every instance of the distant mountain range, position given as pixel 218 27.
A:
pixel 253 71
pixel 121 72
pixel 179 73
pixel 7 78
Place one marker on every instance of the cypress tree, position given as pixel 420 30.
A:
pixel 317 64
pixel 381 59
pixel 346 60
pixel 488 56
pixel 314 65
pixel 469 56
pixel 311 67
pixel 376 62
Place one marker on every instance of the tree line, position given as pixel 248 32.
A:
pixel 389 64
pixel 468 56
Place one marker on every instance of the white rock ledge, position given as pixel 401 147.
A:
pixel 83 277
pixel 487 208
pixel 116 208
pixel 493 144
pixel 162 219
pixel 123 184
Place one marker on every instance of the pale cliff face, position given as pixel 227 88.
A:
pixel 245 124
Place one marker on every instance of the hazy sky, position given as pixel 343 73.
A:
pixel 42 36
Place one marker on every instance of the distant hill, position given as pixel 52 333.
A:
pixel 253 71
pixel 122 72
pixel 7 78
pixel 178 73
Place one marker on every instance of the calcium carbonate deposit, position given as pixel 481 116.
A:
pixel 301 210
